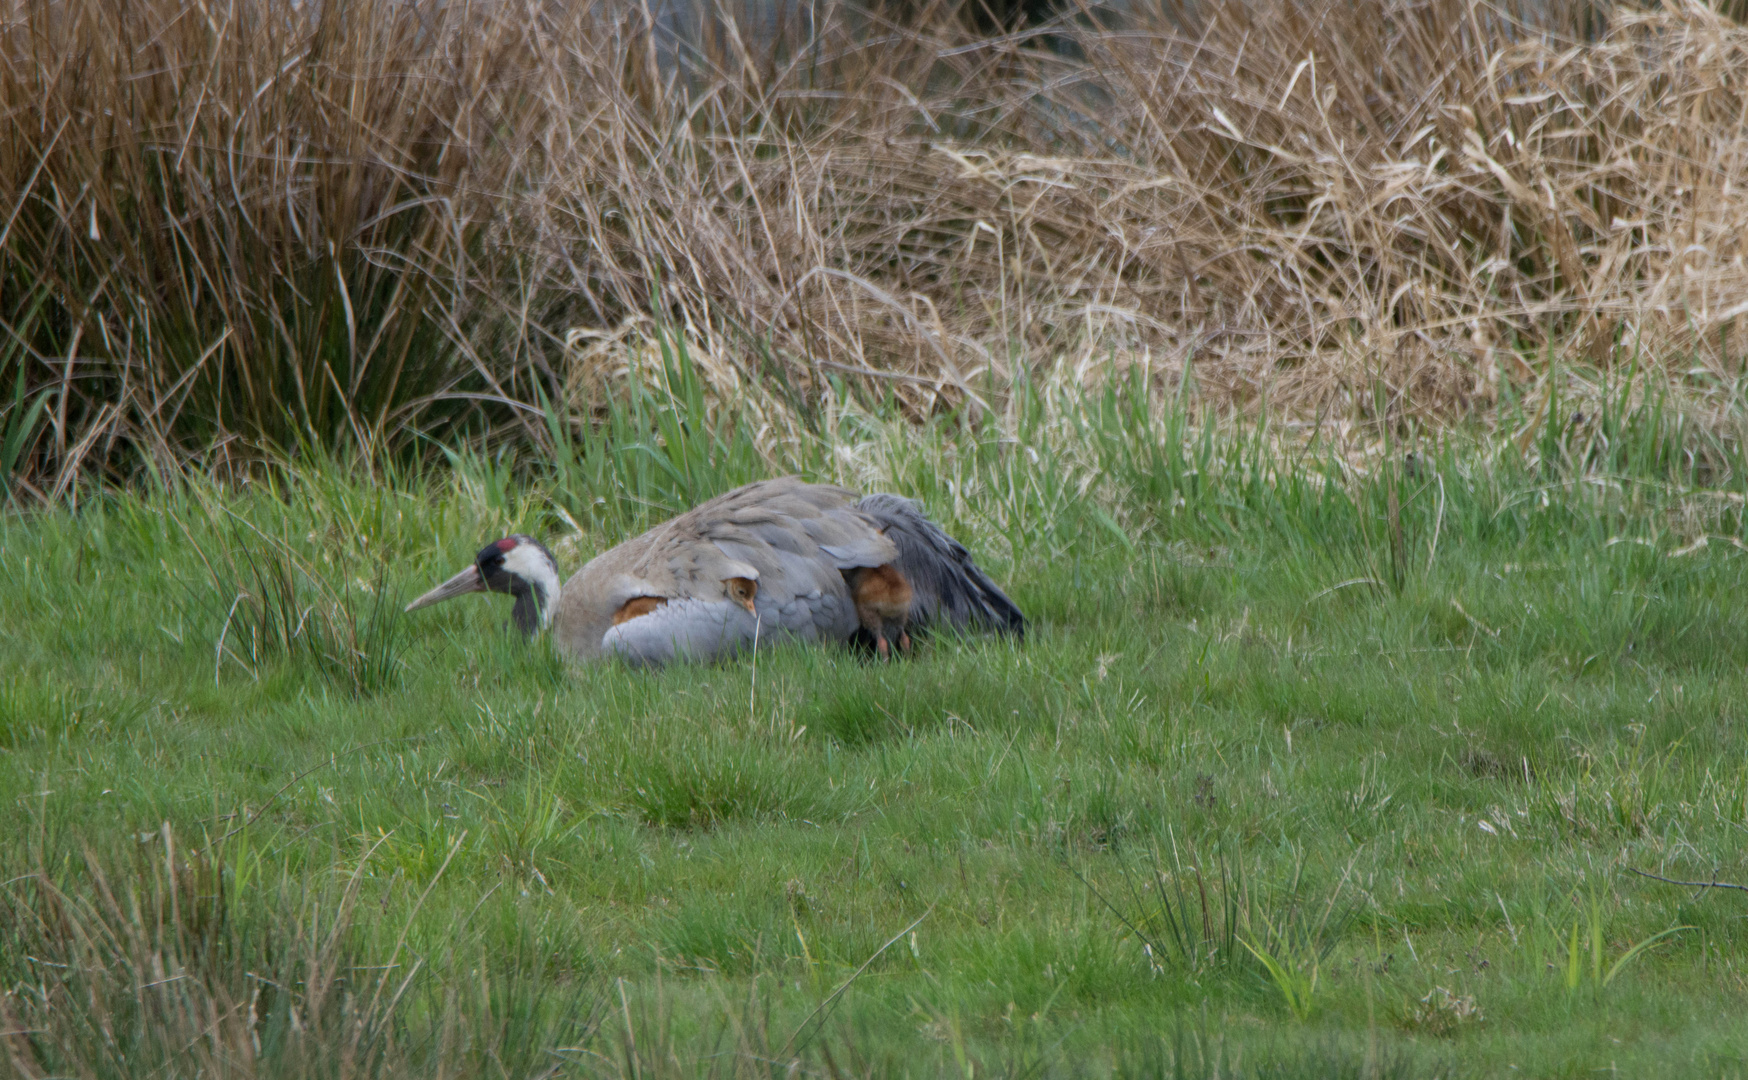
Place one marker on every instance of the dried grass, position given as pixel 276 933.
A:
pixel 274 222
pixel 198 961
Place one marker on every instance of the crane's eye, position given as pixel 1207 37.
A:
pixel 494 552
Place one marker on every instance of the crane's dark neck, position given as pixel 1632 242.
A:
pixel 531 574
pixel 530 610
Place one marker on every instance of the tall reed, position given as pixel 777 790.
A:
pixel 260 223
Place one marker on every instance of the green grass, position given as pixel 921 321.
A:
pixel 1309 767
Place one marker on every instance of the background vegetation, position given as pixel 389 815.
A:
pixel 241 227
pixel 1348 392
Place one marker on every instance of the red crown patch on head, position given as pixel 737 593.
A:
pixel 506 543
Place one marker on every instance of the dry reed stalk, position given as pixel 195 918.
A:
pixel 344 222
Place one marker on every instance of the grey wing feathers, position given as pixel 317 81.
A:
pixel 800 544
pixel 948 586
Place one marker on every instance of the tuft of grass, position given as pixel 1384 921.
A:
pixel 211 959
pixel 1588 942
pixel 703 792
pixel 271 603
pixel 1205 917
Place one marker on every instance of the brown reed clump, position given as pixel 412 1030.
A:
pixel 260 223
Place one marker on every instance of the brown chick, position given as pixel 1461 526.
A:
pixel 882 597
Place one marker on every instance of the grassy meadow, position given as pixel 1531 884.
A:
pixel 1311 765
pixel 1350 392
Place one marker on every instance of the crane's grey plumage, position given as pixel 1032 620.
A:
pixel 774 560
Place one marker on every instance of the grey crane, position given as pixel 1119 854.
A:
pixel 777 559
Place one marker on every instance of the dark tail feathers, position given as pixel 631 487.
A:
pixel 949 588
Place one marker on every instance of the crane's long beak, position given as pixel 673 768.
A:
pixel 465 582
